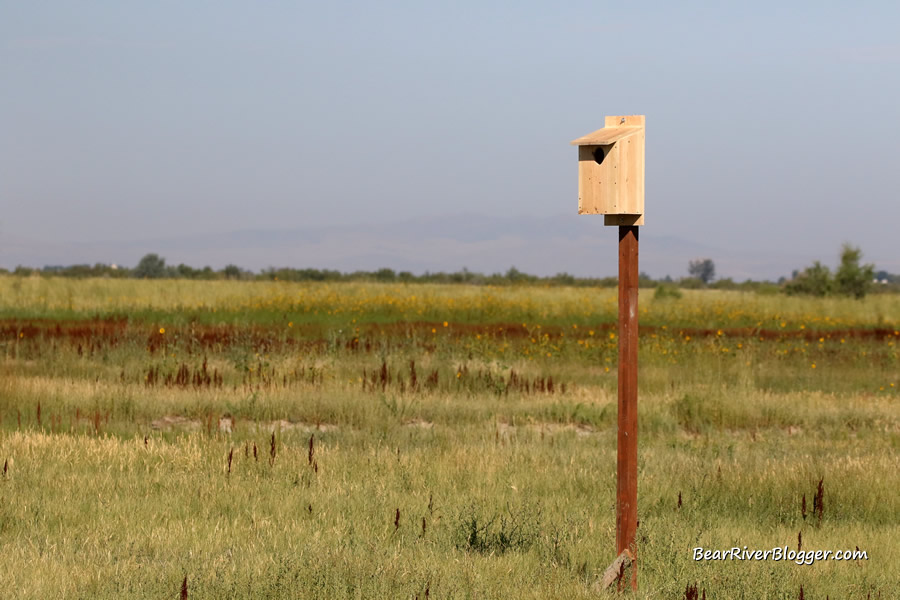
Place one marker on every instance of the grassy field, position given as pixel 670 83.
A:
pixel 276 440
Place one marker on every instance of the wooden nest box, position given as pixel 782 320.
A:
pixel 611 171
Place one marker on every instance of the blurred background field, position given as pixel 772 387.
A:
pixel 343 440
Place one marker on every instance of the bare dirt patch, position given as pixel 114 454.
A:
pixel 285 425
pixel 507 430
pixel 171 422
pixel 227 424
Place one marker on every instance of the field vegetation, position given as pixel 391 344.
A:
pixel 256 439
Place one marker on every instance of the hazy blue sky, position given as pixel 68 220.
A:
pixel 770 125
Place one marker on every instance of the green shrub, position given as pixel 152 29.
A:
pixel 813 281
pixel 851 279
pixel 664 292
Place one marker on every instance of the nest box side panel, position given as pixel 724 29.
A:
pixel 631 176
pixel 631 179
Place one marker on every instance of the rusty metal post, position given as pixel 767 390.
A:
pixel 626 463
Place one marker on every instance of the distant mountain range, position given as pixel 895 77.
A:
pixel 536 245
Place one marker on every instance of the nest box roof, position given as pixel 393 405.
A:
pixel 607 135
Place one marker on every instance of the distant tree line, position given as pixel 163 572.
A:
pixel 152 266
pixel 850 279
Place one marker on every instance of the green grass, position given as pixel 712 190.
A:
pixel 121 487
